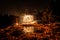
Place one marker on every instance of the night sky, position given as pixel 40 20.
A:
pixel 15 7
pixel 24 3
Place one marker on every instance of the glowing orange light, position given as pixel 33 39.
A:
pixel 28 29
pixel 17 24
pixel 28 19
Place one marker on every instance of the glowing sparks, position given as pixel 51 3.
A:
pixel 28 19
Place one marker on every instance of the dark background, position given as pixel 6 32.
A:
pixel 21 5
pixel 16 7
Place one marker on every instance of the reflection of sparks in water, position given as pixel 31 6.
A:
pixel 28 29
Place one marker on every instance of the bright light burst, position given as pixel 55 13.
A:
pixel 28 19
